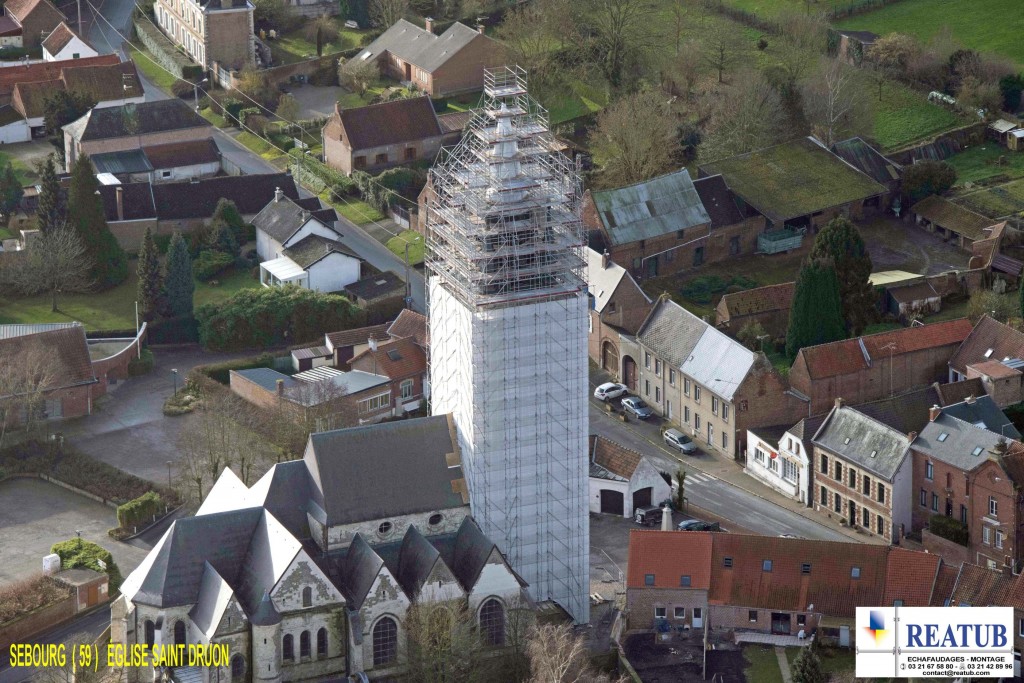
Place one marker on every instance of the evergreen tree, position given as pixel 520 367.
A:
pixel 816 314
pixel 178 283
pixel 85 211
pixel 222 238
pixel 841 242
pixel 150 280
pixel 52 209
pixel 10 191
pixel 807 667
pixel 227 211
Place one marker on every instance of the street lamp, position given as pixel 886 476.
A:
pixel 195 91
pixel 174 372
pixel 168 474
pixel 79 532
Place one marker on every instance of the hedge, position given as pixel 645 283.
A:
pixel 210 264
pixel 76 553
pixel 221 372
pixel 141 365
pixel 165 53
pixel 949 528
pixel 274 316
pixel 141 510
pixel 26 595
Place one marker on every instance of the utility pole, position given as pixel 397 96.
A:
pixel 408 283
pixel 79 3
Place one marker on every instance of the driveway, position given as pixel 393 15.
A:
pixel 128 428
pixel 900 245
pixel 316 100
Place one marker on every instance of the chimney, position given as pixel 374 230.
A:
pixel 428 23
pixel 480 28
pixel 605 260
pixel 911 436
pixel 666 518
pixel 934 413
pixel 970 400
pixel 119 193
pixel 280 387
pixel 373 344
pixel 277 194
pixel 839 403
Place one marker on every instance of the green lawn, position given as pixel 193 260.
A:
pixel 996 202
pixel 214 118
pixel 762 664
pixel 295 46
pixel 768 8
pixel 353 100
pixel 983 162
pixel 578 99
pixel 416 246
pixel 113 309
pixel 6 234
pixel 904 115
pixel 150 70
pixel 357 211
pixel 834 660
pixel 259 145
pixel 985 25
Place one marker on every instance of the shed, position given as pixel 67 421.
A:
pixel 90 587
pixel 622 480
pixel 1000 129
pixel 310 357
pixel 951 221
pixel 1015 140
pixel 907 300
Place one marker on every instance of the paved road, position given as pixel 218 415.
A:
pixel 84 629
pixel 715 495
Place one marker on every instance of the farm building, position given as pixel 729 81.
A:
pixel 872 163
pixel 1000 130
pixel 907 300
pixel 950 221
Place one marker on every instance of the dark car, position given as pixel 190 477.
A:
pixel 698 525
pixel 647 516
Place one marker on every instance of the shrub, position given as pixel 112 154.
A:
pixel 24 596
pixel 182 89
pixel 928 177
pixel 77 553
pixel 702 289
pixel 948 528
pixel 177 330
pixel 141 365
pixel 162 242
pixel 274 316
pixel 210 263
pixel 221 372
pixel 140 511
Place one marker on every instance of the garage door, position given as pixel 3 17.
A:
pixel 613 502
pixel 642 498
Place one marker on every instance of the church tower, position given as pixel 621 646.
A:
pixel 508 330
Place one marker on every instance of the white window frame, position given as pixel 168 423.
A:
pixel 407 384
pixel 664 613
pixel 986 535
pixel 374 403
pixel 680 613
pixel 993 507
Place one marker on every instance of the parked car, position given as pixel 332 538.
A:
pixel 676 439
pixel 636 405
pixel 698 525
pixel 609 390
pixel 647 516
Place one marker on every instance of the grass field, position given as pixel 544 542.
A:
pixel 762 664
pixel 113 309
pixel 833 660
pixel 982 162
pixel 356 210
pixel 579 99
pixel 295 46
pixel 985 25
pixel 396 245
pixel 904 115
pixel 150 70
pixel 998 201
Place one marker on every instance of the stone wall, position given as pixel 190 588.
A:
pixel 950 552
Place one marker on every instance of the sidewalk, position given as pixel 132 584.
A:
pixel 730 471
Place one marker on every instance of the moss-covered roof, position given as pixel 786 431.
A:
pixel 793 179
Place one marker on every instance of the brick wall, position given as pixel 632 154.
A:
pixel 855 493
pixel 464 72
pixel 640 604
pixel 116 366
pixel 229 37
pixel 129 142
pixel 950 552
pixel 775 323
pixel 1005 391
pixel 23 628
pixel 739 618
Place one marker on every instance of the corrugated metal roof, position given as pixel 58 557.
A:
pixel 126 161
pixel 1002 126
pixel 20 330
pixel 652 208
pixel 719 363
pixel 891 277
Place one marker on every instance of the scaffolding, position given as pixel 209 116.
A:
pixel 508 311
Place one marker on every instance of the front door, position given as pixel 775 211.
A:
pixel 408 71
pixel 698 618
pixel 780 623
pixel 844 636
pixel 629 372
pixel 613 502
pixel 852 519
pixel 642 498
pixel 610 358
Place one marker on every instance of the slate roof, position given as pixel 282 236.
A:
pixel 65 350
pixel 867 160
pixel 719 201
pixel 158 116
pixel 187 153
pixel 360 568
pixel 648 209
pixel 59 38
pixel 8 26
pixel 863 441
pixel 416 560
pixel 409 323
pixel 313 248
pixel 695 348
pixel 125 161
pixel 669 556
pixel 136 201
pixel 281 218
pixel 602 280
pixel 848 356
pixel 906 412
pixel 19 9
pixel 866 37
pixel 198 199
pixel 285 491
pixel 759 300
pixel 396 359
pixel 982 587
pixel 990 339
pixel 424 450
pixel 419 46
pixel 369 288
pixel 359 335
pixel 965 446
pixel 982 411
pixel 46 71
pixel 946 214
pixel 793 179
pixel 613 457
pixel 388 123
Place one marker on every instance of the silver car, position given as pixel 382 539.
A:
pixel 676 439
pixel 636 405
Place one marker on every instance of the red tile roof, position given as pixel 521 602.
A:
pixel 396 359
pixel 669 555
pixel 614 457
pixel 19 9
pixel 945 581
pixel 58 38
pixel 848 356
pixel 980 587
pixel 409 323
pixel 65 350
pixel 995 369
pixel 388 123
pixel 360 335
pixel 759 299
pixel 910 577
pixel 990 337
pixel 47 71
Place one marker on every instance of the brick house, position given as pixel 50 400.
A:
pixel 35 18
pixel 878 365
pixel 709 385
pixel 952 222
pixel 973 475
pixel 862 473
pixel 767 306
pixel 113 129
pixel 767 584
pixel 403 362
pixel 980 587
pixel 439 65
pixel 219 31
pixel 622 480
pixel 992 352
pixel 617 306
pixel 380 136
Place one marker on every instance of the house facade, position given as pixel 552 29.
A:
pixel 971 475
pixel 709 385
pixel 219 31
pixel 404 363
pixel 617 307
pixel 992 352
pixel 622 480
pixel 63 43
pixel 863 473
pixel 780 458
pixel 36 19
pixel 876 366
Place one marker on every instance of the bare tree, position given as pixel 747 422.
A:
pixel 634 139
pixel 324 406
pixel 26 375
pixel 622 30
pixel 748 116
pixel 720 52
pixel 528 34
pixel 832 102
pixel 684 66
pixel 55 262
pixel 444 645
pixel 69 671
pixel 384 13
pixel 359 75
pixel 557 655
